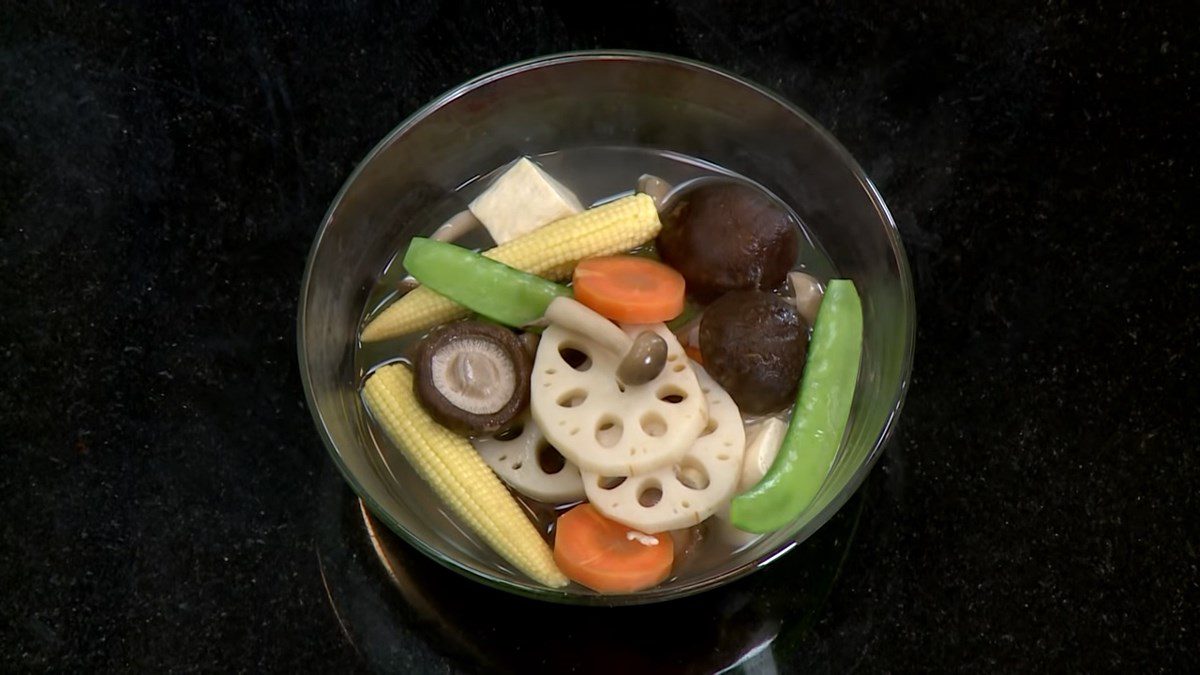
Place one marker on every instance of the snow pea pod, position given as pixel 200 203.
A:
pixel 818 422
pixel 495 290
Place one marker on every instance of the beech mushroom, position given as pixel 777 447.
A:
pixel 642 358
pixel 657 188
pixel 603 425
pixel 807 294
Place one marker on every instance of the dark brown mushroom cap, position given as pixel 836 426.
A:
pixel 754 345
pixel 725 236
pixel 472 376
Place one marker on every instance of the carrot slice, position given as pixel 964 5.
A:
pixel 603 555
pixel 629 289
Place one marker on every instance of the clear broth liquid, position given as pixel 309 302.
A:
pixel 596 175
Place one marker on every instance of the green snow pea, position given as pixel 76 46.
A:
pixel 818 421
pixel 495 290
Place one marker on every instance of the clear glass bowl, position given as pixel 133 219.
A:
pixel 589 99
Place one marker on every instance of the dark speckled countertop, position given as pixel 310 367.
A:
pixel 168 505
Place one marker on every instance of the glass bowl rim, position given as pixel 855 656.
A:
pixel 529 588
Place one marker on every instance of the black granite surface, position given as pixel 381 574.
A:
pixel 167 504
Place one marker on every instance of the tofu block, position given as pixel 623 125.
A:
pixel 521 200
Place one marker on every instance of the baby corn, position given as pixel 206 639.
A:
pixel 550 251
pixel 458 475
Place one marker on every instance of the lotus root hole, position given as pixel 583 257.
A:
pixel 671 395
pixel 692 474
pixel 576 358
pixel 572 398
pixel 650 495
pixel 550 459
pixel 654 424
pixel 609 431
pixel 609 482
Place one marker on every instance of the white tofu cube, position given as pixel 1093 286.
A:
pixel 521 200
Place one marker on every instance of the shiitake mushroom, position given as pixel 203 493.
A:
pixel 754 345
pixel 472 376
pixel 723 235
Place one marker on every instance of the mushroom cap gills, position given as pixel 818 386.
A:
pixel 474 375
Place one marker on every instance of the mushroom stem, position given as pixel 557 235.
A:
pixel 655 188
pixel 579 318
pixel 689 333
pixel 458 225
pixel 530 342
pixel 406 285
pixel 641 359
pixel 807 294
pixel 450 231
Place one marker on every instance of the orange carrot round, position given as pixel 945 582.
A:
pixel 629 289
pixel 603 555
